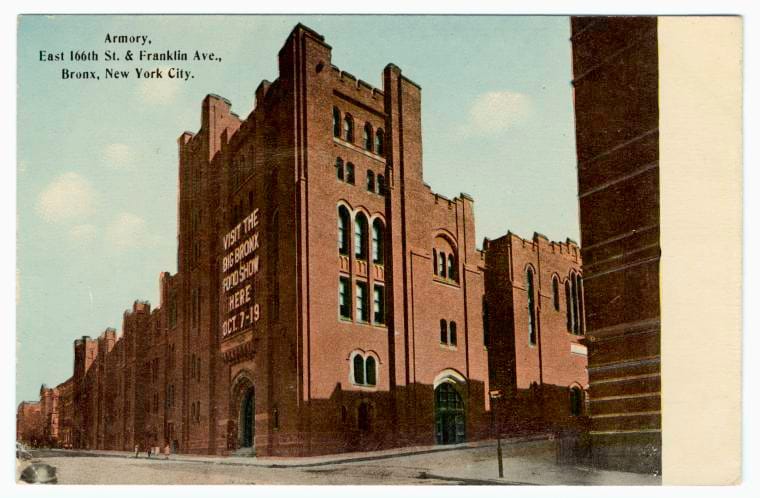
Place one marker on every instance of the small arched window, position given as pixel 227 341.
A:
pixel 452 268
pixel 336 122
pixel 569 306
pixel 370 181
pixel 350 178
pixel 581 306
pixel 531 306
pixel 344 223
pixel 339 170
pixel 367 137
pixel 378 249
pixel 371 368
pixel 358 369
pixel 576 401
pixel 360 236
pixel 453 333
pixel 555 292
pixel 444 332
pixel 435 262
pixel 381 184
pixel 379 142
pixel 348 128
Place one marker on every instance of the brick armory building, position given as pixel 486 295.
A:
pixel 326 298
pixel 615 66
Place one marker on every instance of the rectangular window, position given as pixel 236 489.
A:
pixel 379 304
pixel 362 304
pixel 344 298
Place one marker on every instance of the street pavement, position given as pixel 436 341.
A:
pixel 525 463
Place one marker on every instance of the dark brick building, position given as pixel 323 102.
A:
pixel 260 345
pixel 615 67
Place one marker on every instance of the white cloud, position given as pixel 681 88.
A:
pixel 159 91
pixel 83 233
pixel 69 196
pixel 117 155
pixel 495 112
pixel 128 231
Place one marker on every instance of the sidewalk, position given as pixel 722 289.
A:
pixel 295 462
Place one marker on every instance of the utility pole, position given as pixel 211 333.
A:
pixel 494 395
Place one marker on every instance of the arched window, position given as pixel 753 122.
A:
pixel 378 249
pixel 360 236
pixel 336 122
pixel 379 142
pixel 444 332
pixel 576 401
pixel 381 184
pixel 581 306
pixel 453 333
pixel 435 262
pixel 370 366
pixel 367 137
pixel 442 264
pixel 350 178
pixel 344 224
pixel 452 268
pixel 569 305
pixel 358 369
pixel 555 292
pixel 531 306
pixel 339 170
pixel 370 181
pixel 348 128
pixel 574 286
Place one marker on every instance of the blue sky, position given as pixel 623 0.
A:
pixel 97 161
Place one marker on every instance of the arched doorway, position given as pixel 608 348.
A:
pixel 449 415
pixel 246 421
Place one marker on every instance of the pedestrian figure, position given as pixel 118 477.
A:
pixel 166 451
pixel 149 450
pixel 137 451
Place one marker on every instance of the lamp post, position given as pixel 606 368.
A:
pixel 494 395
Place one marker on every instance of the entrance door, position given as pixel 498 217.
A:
pixel 449 415
pixel 246 420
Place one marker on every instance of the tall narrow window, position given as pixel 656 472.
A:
pixel 358 369
pixel 371 371
pixel 348 128
pixel 336 122
pixel 452 268
pixel 362 305
pixel 360 236
pixel 378 243
pixel 531 307
pixel 581 306
pixel 276 418
pixel 350 177
pixel 555 292
pixel 367 137
pixel 444 332
pixel 453 333
pixel 378 304
pixel 574 285
pixel 339 170
pixel 442 264
pixel 344 297
pixel 380 142
pixel 569 305
pixel 370 181
pixel 381 184
pixel 344 223
pixel 435 262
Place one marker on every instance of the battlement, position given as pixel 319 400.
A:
pixel 568 248
pixel 358 87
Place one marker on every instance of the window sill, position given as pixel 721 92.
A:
pixel 450 347
pixel 356 148
pixel 445 281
